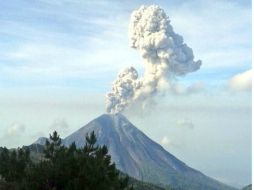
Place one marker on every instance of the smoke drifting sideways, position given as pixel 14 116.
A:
pixel 165 56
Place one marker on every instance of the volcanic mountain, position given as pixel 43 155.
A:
pixel 140 157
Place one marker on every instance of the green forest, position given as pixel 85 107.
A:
pixel 64 168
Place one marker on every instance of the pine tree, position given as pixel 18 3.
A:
pixel 13 165
pixel 4 162
pixel 52 146
pixel 63 168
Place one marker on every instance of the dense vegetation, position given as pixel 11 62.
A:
pixel 61 168
pixel 248 187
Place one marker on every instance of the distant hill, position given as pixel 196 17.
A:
pixel 137 155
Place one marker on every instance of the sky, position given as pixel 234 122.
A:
pixel 59 58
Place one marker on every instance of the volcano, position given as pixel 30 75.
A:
pixel 140 157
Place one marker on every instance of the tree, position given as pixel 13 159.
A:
pixel 52 145
pixel 69 168
pixel 4 162
pixel 13 164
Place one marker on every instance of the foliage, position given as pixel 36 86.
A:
pixel 248 187
pixel 62 168
pixel 13 163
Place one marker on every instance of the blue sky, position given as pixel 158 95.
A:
pixel 57 56
pixel 59 42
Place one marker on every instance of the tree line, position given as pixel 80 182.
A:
pixel 61 168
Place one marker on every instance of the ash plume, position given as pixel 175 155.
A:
pixel 165 56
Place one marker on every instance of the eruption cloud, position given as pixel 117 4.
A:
pixel 164 55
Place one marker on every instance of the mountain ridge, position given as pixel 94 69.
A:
pixel 140 157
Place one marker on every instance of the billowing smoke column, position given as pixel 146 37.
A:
pixel 164 54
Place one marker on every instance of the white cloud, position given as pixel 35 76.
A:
pixel 165 141
pixel 194 88
pixel 187 123
pixel 61 126
pixel 241 81
pixel 13 135
pixel 218 31
pixel 15 129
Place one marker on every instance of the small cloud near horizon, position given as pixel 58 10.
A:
pixel 13 133
pixel 241 81
pixel 60 125
pixel 165 141
pixel 15 129
pixel 186 123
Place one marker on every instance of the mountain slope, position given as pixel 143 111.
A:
pixel 140 157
